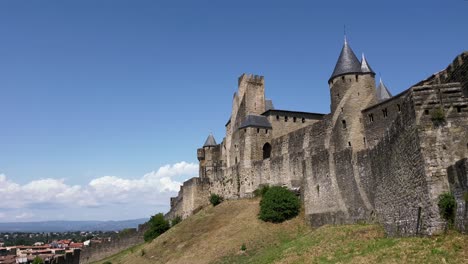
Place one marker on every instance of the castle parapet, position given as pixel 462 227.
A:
pixel 251 78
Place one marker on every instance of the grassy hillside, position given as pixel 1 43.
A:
pixel 216 235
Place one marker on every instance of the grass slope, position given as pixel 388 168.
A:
pixel 215 235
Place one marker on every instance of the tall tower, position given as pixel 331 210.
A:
pixel 352 89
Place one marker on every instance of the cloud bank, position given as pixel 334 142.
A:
pixel 49 199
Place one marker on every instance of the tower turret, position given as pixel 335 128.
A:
pixel 209 157
pixel 382 92
pixel 352 88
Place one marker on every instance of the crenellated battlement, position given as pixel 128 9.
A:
pixel 251 78
pixel 373 158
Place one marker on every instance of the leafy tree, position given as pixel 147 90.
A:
pixel 176 220
pixel 37 260
pixel 447 207
pixel 279 204
pixel 157 226
pixel 261 191
pixel 216 199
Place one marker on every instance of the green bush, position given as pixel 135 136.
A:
pixel 243 247
pixel 142 252
pixel 176 220
pixel 279 204
pixel 447 207
pixel 37 260
pixel 261 191
pixel 157 226
pixel 216 199
pixel 438 116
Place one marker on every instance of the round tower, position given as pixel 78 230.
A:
pixel 352 89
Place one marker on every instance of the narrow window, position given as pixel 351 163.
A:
pixel 338 95
pixel 343 122
pixel 303 120
pixel 426 112
pixel 266 151
pixel 245 129
pixel 385 112
pixel 285 119
pixel 341 109
pixel 294 119
pixel 371 118
pixel 349 143
pixel 266 131
pixel 458 109
pixel 342 78
pixel 258 130
pixel 357 77
pixel 364 140
pixel 399 107
pixel 236 161
pixel 277 117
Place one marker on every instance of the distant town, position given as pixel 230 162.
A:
pixel 44 247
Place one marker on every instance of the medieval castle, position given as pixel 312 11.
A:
pixel 374 158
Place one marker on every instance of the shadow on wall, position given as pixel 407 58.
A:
pixel 458 180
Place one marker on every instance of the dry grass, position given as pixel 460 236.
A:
pixel 215 235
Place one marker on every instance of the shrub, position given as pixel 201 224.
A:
pixel 438 116
pixel 216 199
pixel 107 262
pixel 37 260
pixel 143 252
pixel 176 220
pixel 447 207
pixel 243 247
pixel 157 226
pixel 279 204
pixel 261 191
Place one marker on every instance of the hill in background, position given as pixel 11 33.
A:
pixel 216 235
pixel 64 226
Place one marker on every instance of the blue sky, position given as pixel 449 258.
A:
pixel 90 89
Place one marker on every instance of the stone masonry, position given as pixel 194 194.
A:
pixel 373 158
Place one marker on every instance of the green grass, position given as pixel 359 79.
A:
pixel 356 244
pixel 216 235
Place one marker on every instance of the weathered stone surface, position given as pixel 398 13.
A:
pixel 366 161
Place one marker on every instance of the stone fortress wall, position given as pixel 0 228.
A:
pixel 369 160
pixel 99 251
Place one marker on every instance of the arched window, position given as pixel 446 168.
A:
pixel 266 151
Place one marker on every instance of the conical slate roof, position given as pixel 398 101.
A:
pixel 382 92
pixel 210 141
pixel 365 67
pixel 347 62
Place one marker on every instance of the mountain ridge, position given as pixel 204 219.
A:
pixel 69 226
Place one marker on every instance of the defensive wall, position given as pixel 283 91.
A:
pixel 98 251
pixel 400 160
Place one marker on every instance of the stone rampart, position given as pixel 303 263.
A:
pixel 98 251
pixel 386 163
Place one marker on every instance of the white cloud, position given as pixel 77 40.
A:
pixel 150 189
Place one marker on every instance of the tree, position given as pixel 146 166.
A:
pixel 176 220
pixel 157 226
pixel 279 204
pixel 216 199
pixel 37 260
pixel 447 207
